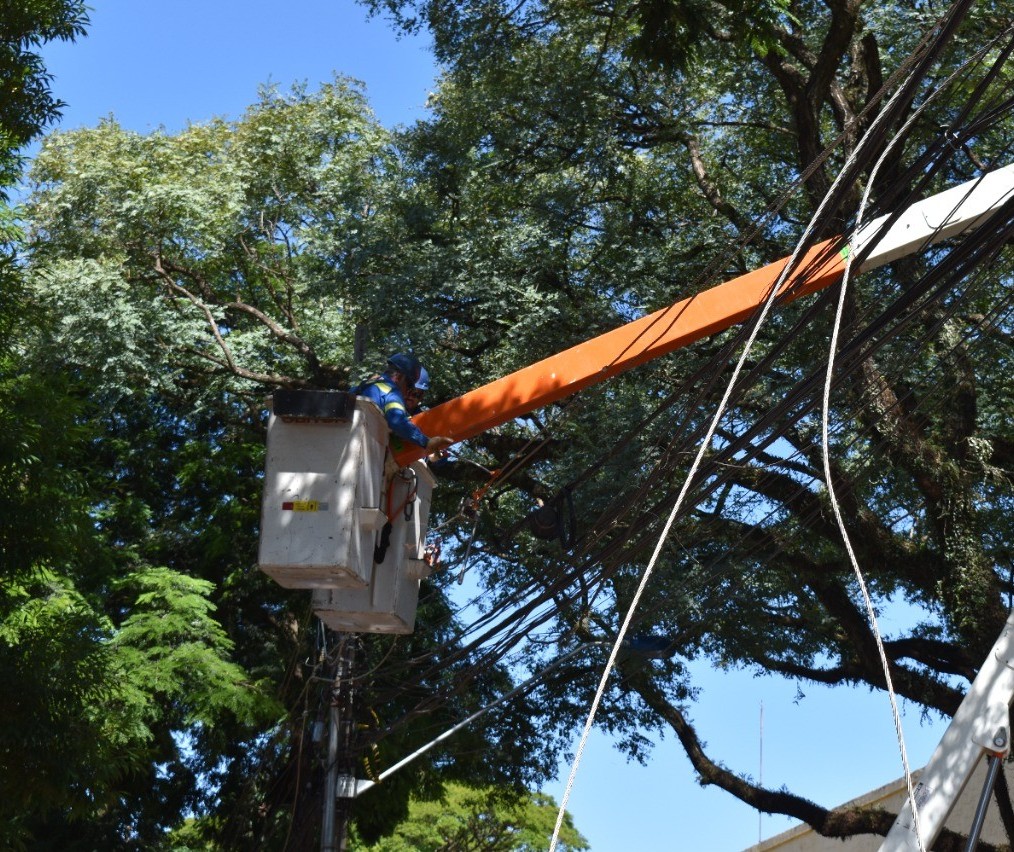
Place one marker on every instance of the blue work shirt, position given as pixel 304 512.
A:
pixel 384 392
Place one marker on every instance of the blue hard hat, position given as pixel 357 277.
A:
pixel 407 365
pixel 423 382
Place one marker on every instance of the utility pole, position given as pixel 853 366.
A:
pixel 334 823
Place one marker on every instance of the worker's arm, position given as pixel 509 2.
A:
pixel 397 420
pixel 383 394
pixel 399 423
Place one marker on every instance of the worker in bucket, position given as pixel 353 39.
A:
pixel 390 392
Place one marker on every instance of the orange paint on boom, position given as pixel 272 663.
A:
pixel 623 348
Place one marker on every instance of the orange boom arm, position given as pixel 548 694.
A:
pixel 938 217
pixel 623 348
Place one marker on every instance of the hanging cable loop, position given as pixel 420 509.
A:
pixel 406 508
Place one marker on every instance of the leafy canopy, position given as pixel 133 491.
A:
pixel 471 820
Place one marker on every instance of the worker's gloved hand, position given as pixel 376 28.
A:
pixel 438 443
pixel 439 460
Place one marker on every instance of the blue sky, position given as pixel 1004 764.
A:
pixel 153 65
pixel 163 64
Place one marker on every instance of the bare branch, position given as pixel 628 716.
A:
pixel 164 268
pixel 268 379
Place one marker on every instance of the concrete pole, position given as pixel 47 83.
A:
pixel 333 831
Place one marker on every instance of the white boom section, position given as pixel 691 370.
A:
pixel 937 218
pixel 979 728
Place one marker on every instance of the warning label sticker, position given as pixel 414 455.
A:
pixel 304 506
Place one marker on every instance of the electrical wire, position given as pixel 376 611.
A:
pixel 513 619
pixel 705 443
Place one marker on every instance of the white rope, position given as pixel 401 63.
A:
pixel 705 443
pixel 871 614
pixel 702 449
pixel 826 454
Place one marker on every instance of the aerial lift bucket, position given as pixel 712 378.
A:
pixel 332 521
pixel 322 490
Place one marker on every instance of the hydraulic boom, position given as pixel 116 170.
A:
pixel 929 221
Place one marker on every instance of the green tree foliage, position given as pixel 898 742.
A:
pixel 97 704
pixel 268 237
pixel 573 175
pixel 191 275
pixel 113 664
pixel 599 161
pixel 110 662
pixel 28 105
pixel 26 108
pixel 470 820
